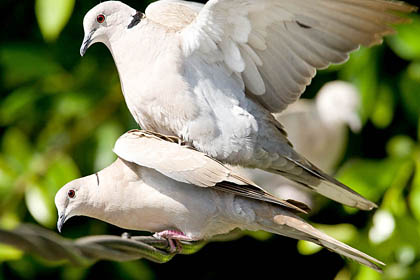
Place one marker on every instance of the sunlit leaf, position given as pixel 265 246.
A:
pixel 16 149
pixel 8 253
pixel 73 104
pixel 369 177
pixel 406 43
pixel 361 70
pixel 396 271
pixel 38 203
pixel 383 226
pixel 394 199
pixel 260 235
pixel 52 16
pixel 366 273
pixel 343 232
pixel 383 111
pixel 7 176
pixel 106 137
pixel 406 254
pixel 400 146
pixel 307 248
pixel 9 220
pixel 59 172
pixel 343 274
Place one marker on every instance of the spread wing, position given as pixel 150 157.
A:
pixel 174 159
pixel 275 46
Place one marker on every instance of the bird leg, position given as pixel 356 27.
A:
pixel 173 237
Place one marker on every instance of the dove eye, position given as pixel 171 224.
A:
pixel 71 193
pixel 100 18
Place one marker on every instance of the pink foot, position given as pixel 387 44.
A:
pixel 173 237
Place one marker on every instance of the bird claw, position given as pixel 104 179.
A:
pixel 174 237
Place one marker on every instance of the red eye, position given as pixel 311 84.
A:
pixel 100 18
pixel 71 193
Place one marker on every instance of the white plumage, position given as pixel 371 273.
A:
pixel 318 130
pixel 134 193
pixel 213 74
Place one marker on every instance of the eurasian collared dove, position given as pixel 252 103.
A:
pixel 213 74
pixel 161 186
pixel 318 130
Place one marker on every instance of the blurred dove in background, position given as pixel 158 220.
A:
pixel 212 74
pixel 318 130
pixel 160 186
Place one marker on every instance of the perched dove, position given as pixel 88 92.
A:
pixel 213 74
pixel 318 131
pixel 161 186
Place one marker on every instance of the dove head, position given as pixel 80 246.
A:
pixel 73 199
pixel 337 103
pixel 106 21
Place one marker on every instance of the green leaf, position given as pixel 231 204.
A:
pixel 406 43
pixel 73 104
pixel 343 232
pixel 361 70
pixel 259 235
pixel 60 171
pixel 39 205
pixel 106 136
pixel 410 96
pixel 307 248
pixel 400 146
pixel 17 104
pixel 383 226
pixel 16 149
pixel 7 177
pixel 366 273
pixel 394 198
pixel 52 16
pixel 383 111
pixel 135 270
pixel 9 220
pixel 413 70
pixel 25 62
pixel 414 196
pixel 8 253
pixel 369 177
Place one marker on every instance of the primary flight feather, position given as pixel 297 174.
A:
pixel 212 74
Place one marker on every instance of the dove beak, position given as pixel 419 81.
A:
pixel 61 220
pixel 87 41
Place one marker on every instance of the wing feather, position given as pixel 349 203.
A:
pixel 282 43
pixel 182 163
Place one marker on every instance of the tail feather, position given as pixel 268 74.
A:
pixel 295 227
pixel 307 174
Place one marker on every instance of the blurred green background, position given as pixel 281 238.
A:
pixel 60 115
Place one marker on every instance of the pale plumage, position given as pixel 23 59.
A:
pixel 318 130
pixel 212 74
pixel 137 197
pixel 180 162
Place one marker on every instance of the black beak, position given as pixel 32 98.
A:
pixel 86 42
pixel 61 220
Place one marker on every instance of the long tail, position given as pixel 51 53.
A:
pixel 290 225
pixel 307 174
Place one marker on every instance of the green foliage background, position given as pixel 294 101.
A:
pixel 60 116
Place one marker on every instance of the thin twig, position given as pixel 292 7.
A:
pixel 87 250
